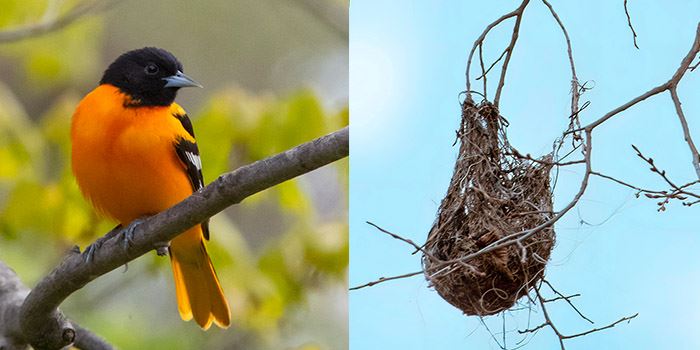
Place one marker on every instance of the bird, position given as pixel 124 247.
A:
pixel 134 154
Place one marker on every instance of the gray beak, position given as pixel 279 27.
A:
pixel 180 80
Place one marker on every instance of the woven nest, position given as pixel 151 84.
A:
pixel 492 194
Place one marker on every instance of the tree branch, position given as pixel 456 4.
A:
pixel 670 84
pixel 518 12
pixel 686 131
pixel 629 24
pixel 12 294
pixel 52 22
pixel 41 323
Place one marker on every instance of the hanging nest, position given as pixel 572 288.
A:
pixel 492 194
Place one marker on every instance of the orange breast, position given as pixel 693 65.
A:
pixel 124 159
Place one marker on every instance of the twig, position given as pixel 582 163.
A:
pixel 517 12
pixel 483 70
pixel 662 173
pixel 384 279
pixel 492 65
pixel 395 236
pixel 624 319
pixel 686 131
pixel 576 89
pixel 51 23
pixel 548 322
pixel 671 83
pixel 693 67
pixel 510 48
pixel 567 299
pixel 231 188
pixel 629 23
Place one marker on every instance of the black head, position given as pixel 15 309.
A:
pixel 150 76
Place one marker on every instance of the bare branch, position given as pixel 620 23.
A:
pixel 629 23
pixel 385 279
pixel 395 236
pixel 548 321
pixel 567 299
pixel 510 48
pixel 672 83
pixel 73 272
pixel 483 69
pixel 575 90
pixel 12 294
pixel 52 23
pixel 692 68
pixel 480 39
pixel 686 130
pixel 624 319
pixel 492 65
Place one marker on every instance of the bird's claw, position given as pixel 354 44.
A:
pixel 128 233
pixel 90 250
pixel 93 248
pixel 127 239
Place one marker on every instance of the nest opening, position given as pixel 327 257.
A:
pixel 492 194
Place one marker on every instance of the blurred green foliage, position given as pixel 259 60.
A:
pixel 42 212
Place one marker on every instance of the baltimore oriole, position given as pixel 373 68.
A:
pixel 134 155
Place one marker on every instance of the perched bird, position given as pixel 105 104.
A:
pixel 134 154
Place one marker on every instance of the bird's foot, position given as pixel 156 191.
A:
pixel 90 250
pixel 128 233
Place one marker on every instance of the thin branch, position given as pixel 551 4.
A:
pixel 620 182
pixel 575 87
pixel 662 173
pixel 492 65
pixel 395 236
pixel 73 272
pixel 548 319
pixel 483 69
pixel 671 83
pixel 686 130
pixel 385 279
pixel 510 48
pixel 624 319
pixel 692 68
pixel 52 23
pixel 548 322
pixel 629 23
pixel 517 12
pixel 529 157
pixel 567 299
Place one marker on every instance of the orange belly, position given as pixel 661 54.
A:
pixel 126 164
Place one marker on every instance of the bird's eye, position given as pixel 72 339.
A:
pixel 151 69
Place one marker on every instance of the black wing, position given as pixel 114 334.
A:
pixel 186 123
pixel 188 152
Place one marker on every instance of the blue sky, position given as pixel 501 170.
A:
pixel 407 67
